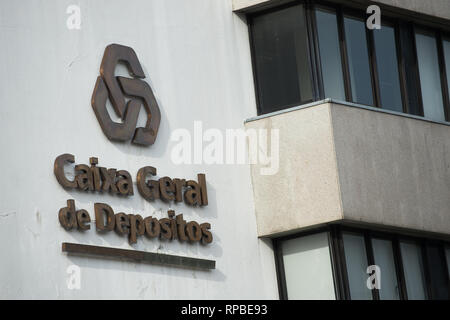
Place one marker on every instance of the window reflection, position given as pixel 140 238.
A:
pixel 413 270
pixel 330 55
pixel 387 67
pixel 433 106
pixel 281 59
pixel 358 60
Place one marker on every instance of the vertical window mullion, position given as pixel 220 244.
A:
pixel 335 265
pixel 344 55
pixel 444 79
pixel 370 260
pixel 401 68
pixel 339 264
pixel 279 265
pixel 316 72
pixel 416 70
pixel 446 266
pixel 373 69
pixel 399 269
pixel 426 269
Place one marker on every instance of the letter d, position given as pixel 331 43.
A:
pixel 100 210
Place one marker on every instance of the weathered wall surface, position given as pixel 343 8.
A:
pixel 393 170
pixel 341 163
pixel 437 8
pixel 305 191
pixel 195 55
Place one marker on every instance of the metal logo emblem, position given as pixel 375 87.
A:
pixel 117 88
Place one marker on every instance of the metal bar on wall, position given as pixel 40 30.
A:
pixel 138 256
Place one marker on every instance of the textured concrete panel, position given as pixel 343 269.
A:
pixel 393 170
pixel 438 8
pixel 355 166
pixel 305 190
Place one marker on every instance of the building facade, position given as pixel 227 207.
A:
pixel 351 203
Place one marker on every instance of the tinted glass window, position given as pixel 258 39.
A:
pixel 438 274
pixel 384 258
pixel 387 67
pixel 446 45
pixel 330 55
pixel 447 254
pixel 430 80
pixel 281 59
pixel 413 270
pixel 358 60
pixel 411 75
pixel 356 262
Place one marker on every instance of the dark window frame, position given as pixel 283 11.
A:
pixel 338 261
pixel 310 49
pixel 396 21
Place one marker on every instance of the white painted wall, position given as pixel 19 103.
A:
pixel 195 54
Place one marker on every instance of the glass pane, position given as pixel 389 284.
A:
pixel 387 66
pixel 358 60
pixel 384 258
pixel 438 274
pixel 281 59
pixel 413 270
pixel 307 267
pixel 409 60
pixel 356 261
pixel 447 253
pixel 330 55
pixel 430 81
pixel 446 45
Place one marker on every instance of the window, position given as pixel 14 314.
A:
pixel 358 61
pixel 438 274
pixel 312 51
pixel 387 68
pixel 307 267
pixel 384 258
pixel 413 269
pixel 429 76
pixel 333 262
pixel 356 263
pixel 281 59
pixel 330 54
pixel 409 68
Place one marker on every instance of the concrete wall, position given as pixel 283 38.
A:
pixel 355 165
pixel 305 191
pixel 195 55
pixel 393 170
pixel 437 8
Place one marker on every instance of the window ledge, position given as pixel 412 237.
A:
pixel 344 103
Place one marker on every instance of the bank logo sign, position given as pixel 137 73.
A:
pixel 127 96
pixel 119 90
